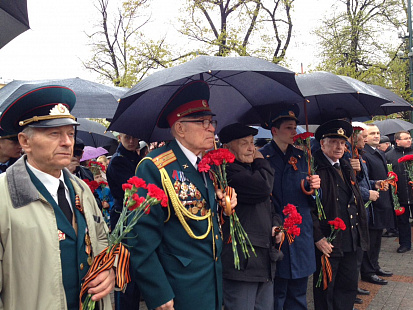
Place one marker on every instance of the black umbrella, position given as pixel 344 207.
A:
pixel 238 86
pixel 94 134
pixel 14 19
pixel 397 104
pixel 93 100
pixel 331 96
pixel 393 125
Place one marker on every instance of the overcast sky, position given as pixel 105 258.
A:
pixel 56 43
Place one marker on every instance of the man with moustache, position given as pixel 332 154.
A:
pixel 340 197
pixel 404 190
pixel 176 250
pixel 50 225
pixel 382 214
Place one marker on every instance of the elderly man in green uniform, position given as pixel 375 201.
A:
pixel 50 225
pixel 176 252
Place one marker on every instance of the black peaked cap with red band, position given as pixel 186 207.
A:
pixel 189 100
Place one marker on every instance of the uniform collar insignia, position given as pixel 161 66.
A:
pixel 185 166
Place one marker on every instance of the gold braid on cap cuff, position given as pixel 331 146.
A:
pixel 44 118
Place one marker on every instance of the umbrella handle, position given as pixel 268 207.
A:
pixel 310 192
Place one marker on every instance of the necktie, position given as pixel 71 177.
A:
pixel 63 203
pixel 337 166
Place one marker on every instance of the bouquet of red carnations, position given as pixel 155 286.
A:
pixel 134 207
pixel 215 163
pixel 289 227
pixel 326 274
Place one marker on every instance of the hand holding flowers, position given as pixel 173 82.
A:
pixel 289 227
pixel 325 275
pixel 134 207
pixel 215 163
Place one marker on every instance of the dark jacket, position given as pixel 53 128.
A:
pixel 299 258
pixel 121 167
pixel 404 190
pixel 253 185
pixel 383 214
pixel 330 182
pixel 10 162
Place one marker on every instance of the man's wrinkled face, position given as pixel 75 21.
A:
pixel 130 143
pixel 373 136
pixel 50 149
pixel 361 139
pixel 243 149
pixel 194 135
pixel 333 147
pixel 404 141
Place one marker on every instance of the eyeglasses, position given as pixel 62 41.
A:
pixel 205 122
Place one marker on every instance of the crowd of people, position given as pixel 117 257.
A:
pixel 57 211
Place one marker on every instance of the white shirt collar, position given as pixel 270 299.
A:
pixel 332 162
pixel 50 182
pixel 191 156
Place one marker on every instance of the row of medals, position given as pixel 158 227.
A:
pixel 188 191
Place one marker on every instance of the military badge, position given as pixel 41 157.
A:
pixel 61 235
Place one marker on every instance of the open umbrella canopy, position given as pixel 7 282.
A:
pixel 240 89
pixel 93 100
pixel 396 104
pixel 94 134
pixel 329 96
pixel 90 152
pixel 393 125
pixel 14 19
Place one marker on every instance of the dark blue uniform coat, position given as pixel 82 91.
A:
pixel 299 259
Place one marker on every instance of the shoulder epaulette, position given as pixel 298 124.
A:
pixel 164 159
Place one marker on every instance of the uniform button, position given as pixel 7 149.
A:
pixel 352 226
pixel 348 207
pixel 216 237
pixel 337 199
pixel 81 266
pixel 213 214
pixel 216 258
pixel 357 213
pixel 351 216
pixel 357 224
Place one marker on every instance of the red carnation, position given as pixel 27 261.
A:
pixel 155 192
pixel 405 158
pixel 289 209
pixel 138 201
pixel 93 185
pixel 399 211
pixel 303 136
pixel 126 186
pixel 294 231
pixel 137 182
pixel 338 224
pixel 392 176
pixel 203 166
